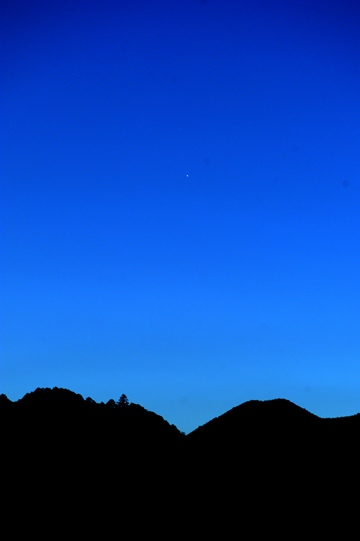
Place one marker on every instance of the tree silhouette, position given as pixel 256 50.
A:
pixel 111 403
pixel 123 401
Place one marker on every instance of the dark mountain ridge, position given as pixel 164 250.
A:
pixel 47 407
pixel 269 413
pixel 59 417
pixel 267 432
pixel 44 401
pixel 95 464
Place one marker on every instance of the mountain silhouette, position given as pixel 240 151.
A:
pixel 103 467
pixel 282 460
pixel 257 416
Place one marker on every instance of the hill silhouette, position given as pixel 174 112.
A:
pixel 91 464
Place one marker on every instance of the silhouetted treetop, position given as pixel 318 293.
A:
pixel 123 401
pixel 111 403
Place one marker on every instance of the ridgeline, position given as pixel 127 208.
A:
pixel 101 468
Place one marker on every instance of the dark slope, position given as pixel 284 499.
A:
pixel 256 416
pixel 273 432
pixel 59 417
pixel 102 469
pixel 55 408
pixel 85 464
pixel 61 425
pixel 261 435
pixel 276 427
pixel 273 460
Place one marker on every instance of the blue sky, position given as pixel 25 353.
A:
pixel 180 203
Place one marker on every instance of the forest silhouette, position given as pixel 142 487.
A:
pixel 106 468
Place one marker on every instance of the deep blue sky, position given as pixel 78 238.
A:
pixel 180 202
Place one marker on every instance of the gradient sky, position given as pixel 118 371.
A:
pixel 180 202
